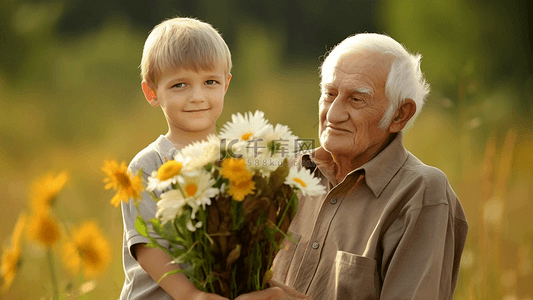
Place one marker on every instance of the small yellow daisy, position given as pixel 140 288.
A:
pixel 44 190
pixel 239 190
pixel 10 259
pixel 235 170
pixel 169 173
pixel 87 250
pixel 120 179
pixel 44 228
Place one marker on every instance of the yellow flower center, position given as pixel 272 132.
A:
pixel 89 254
pixel 301 182
pixel 239 190
pixel 123 179
pixel 168 170
pixel 246 136
pixel 235 169
pixel 191 189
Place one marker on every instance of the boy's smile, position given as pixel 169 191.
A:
pixel 192 100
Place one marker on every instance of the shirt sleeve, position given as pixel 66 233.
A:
pixel 147 207
pixel 422 264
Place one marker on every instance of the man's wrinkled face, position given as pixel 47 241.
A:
pixel 352 104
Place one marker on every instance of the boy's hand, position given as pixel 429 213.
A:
pixel 277 291
pixel 156 263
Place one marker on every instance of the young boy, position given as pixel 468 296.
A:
pixel 186 71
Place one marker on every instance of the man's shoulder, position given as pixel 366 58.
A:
pixel 429 180
pixel 429 173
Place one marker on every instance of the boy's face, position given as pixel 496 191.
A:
pixel 191 100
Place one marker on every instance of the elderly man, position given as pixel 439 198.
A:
pixel 389 227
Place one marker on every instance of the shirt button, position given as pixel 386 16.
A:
pixel 315 245
pixel 333 200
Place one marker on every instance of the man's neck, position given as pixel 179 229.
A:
pixel 345 164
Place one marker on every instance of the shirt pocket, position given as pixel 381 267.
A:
pixel 355 277
pixel 284 257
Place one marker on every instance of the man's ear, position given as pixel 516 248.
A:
pixel 404 113
pixel 227 83
pixel 149 94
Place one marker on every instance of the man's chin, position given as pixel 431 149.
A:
pixel 334 148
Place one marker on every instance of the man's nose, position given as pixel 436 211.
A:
pixel 337 112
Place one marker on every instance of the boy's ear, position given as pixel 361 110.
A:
pixel 403 115
pixel 227 83
pixel 149 94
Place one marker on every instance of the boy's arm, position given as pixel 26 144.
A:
pixel 156 263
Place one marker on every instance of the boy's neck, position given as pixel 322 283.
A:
pixel 184 138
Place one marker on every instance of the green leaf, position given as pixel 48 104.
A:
pixel 294 203
pixel 238 215
pixel 153 244
pixel 287 235
pixel 156 225
pixel 177 271
pixel 140 226
pixel 177 252
pixel 233 256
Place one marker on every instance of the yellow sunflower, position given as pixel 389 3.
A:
pixel 235 170
pixel 238 190
pixel 10 259
pixel 45 189
pixel 118 178
pixel 44 228
pixel 87 250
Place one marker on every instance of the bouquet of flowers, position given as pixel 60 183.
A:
pixel 225 204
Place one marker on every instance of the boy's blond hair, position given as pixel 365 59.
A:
pixel 182 43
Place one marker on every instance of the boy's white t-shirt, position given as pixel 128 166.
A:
pixel 137 283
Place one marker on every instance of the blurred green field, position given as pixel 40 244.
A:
pixel 73 102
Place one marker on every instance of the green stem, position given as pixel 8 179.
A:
pixel 289 204
pixel 52 274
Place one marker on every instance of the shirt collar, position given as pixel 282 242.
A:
pixel 165 148
pixel 378 171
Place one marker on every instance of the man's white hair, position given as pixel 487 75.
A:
pixel 404 80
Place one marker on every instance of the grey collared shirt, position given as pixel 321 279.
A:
pixel 392 229
pixel 137 283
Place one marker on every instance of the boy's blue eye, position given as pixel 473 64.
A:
pixel 179 85
pixel 211 82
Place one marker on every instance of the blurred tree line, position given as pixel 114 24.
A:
pixel 482 44
pixel 71 96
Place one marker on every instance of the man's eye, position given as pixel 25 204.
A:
pixel 179 85
pixel 211 82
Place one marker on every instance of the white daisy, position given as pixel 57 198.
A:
pixel 278 140
pixel 168 173
pixel 170 206
pixel 202 153
pixel 273 146
pixel 242 129
pixel 304 181
pixel 198 190
pixel 262 162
